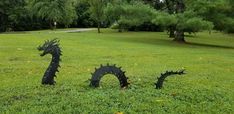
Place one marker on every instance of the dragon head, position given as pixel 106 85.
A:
pixel 49 47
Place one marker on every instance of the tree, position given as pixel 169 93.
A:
pixel 157 4
pixel 127 14
pixel 10 13
pixel 54 11
pixel 171 10
pixel 220 12
pixel 83 14
pixel 183 19
pixel 97 11
pixel 69 13
pixel 135 13
pixel 179 32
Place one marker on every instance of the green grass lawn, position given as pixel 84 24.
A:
pixel 206 88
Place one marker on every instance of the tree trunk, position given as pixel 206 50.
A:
pixel 171 9
pixel 171 32
pixel 179 36
pixel 172 35
pixel 51 26
pixel 99 31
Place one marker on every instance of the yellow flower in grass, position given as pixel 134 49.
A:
pixel 119 113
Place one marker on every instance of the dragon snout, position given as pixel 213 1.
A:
pixel 39 48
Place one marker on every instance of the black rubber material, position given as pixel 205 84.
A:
pixel 109 69
pixel 161 79
pixel 51 47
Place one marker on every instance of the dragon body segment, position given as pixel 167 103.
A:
pixel 51 47
pixel 161 79
pixel 109 69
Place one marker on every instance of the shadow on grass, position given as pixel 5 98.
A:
pixel 169 42
pixel 14 32
pixel 150 41
pixel 190 35
pixel 209 45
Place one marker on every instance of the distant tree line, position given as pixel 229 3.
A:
pixel 176 16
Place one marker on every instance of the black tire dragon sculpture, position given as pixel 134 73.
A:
pixel 161 79
pixel 109 69
pixel 51 47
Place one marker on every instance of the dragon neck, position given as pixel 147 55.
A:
pixel 54 64
pixel 52 48
pixel 52 69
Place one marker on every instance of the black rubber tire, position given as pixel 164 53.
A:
pixel 109 69
pixel 161 79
